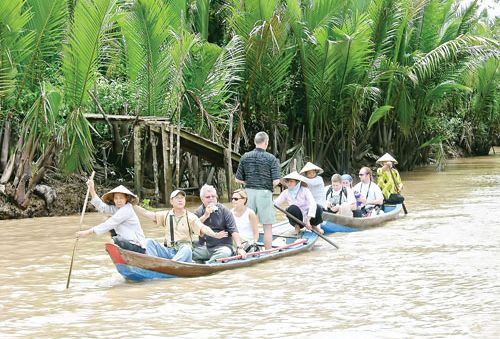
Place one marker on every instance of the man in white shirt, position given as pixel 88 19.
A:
pixel 370 194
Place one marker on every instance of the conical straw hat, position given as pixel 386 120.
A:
pixel 386 157
pixel 108 197
pixel 311 167
pixel 295 176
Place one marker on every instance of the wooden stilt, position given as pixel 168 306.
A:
pixel 138 160
pixel 228 166
pixel 154 143
pixel 167 167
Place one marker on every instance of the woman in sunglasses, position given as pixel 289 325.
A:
pixel 246 219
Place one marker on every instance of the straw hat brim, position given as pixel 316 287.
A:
pixel 386 157
pixel 311 167
pixel 108 197
pixel 295 176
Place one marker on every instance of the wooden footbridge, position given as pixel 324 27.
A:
pixel 167 142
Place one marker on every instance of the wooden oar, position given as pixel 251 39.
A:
pixel 80 228
pixel 300 222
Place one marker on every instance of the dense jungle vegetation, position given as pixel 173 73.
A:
pixel 333 81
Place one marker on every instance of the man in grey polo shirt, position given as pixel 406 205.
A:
pixel 259 171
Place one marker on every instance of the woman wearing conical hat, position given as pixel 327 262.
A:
pixel 314 182
pixel 301 203
pixel 388 178
pixel 124 221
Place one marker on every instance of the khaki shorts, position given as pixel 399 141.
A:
pixel 261 201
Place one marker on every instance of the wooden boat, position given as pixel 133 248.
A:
pixel 137 267
pixel 341 223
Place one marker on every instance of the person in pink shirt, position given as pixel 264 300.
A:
pixel 301 203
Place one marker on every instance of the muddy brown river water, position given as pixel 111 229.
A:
pixel 433 273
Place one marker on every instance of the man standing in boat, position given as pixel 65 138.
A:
pixel 259 171
pixel 180 227
pixel 218 218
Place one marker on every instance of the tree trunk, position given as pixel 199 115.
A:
pixel 7 173
pixel 44 162
pixel 4 153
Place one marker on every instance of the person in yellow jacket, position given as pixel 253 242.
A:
pixel 388 178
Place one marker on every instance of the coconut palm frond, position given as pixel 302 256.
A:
pixel 47 24
pixel 92 19
pixel 13 43
pixel 41 120
pixel 148 32
pixel 448 53
pixel 436 93
pixel 386 17
pixel 405 109
pixel 351 50
pixel 431 24
pixel 468 17
pixel 225 72
pixel 201 15
pixel 487 98
pixel 77 140
pixel 321 13
pixel 378 114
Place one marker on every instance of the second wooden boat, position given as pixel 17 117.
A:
pixel 340 223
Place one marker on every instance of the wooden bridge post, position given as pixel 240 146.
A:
pixel 138 160
pixel 228 166
pixel 154 143
pixel 167 167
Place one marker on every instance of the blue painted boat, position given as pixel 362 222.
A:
pixel 138 267
pixel 341 223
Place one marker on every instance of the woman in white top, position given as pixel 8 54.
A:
pixel 246 219
pixel 124 221
pixel 314 182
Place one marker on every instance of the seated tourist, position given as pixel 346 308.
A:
pixel 180 228
pixel 340 200
pixel 218 218
pixel 369 193
pixel 246 220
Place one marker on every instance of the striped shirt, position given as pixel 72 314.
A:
pixel 258 169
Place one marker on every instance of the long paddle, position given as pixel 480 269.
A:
pixel 398 191
pixel 80 228
pixel 300 222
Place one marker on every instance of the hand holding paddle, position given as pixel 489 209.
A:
pixel 80 228
pixel 301 223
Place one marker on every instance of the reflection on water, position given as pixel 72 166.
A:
pixel 434 272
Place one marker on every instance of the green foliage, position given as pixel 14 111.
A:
pixel 146 203
pixel 332 80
